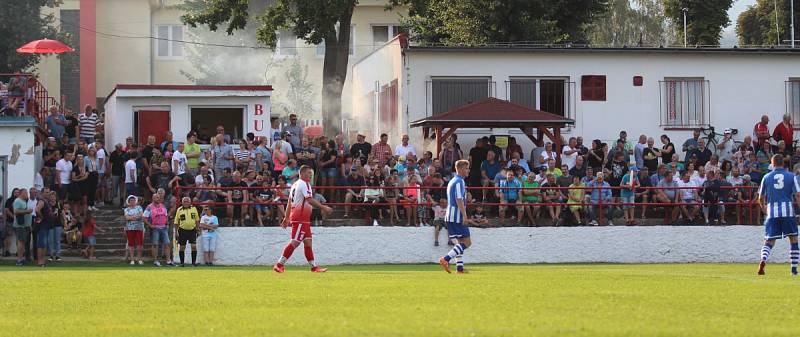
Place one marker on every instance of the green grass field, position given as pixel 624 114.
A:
pixel 402 300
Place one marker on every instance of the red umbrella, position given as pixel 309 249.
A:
pixel 313 130
pixel 45 46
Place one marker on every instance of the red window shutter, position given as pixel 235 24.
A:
pixel 593 88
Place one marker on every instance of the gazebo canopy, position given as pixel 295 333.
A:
pixel 495 113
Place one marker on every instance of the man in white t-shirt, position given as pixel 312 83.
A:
pixel 103 171
pixel 179 161
pixel 405 148
pixel 274 131
pixel 63 175
pixel 725 148
pixel 130 174
pixel 569 153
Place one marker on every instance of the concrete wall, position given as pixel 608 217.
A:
pixel 371 245
pixel 120 116
pixel 16 142
pixel 742 87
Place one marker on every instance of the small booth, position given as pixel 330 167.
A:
pixel 137 111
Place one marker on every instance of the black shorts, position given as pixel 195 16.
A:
pixel 237 209
pixel 186 236
pixel 63 191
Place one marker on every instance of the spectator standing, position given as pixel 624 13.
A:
pixel 702 153
pixel 650 156
pixel 223 155
pixel 638 151
pixel 329 170
pixel 209 224
pixel 295 130
pixel 596 156
pixel 117 161
pixel 23 219
pixel 570 152
pixel 92 180
pixel 690 144
pixel 242 156
pixel 56 122
pixel 381 151
pixel 45 222
pixel 274 131
pixel 361 150
pixel 512 147
pixel 134 229
pixel 405 149
pixel 63 175
pixel 102 173
pixel 761 131
pixel 130 175
pixel 579 170
pixel 667 149
pixel 193 153
pixel 498 152
pixel 79 188
pixel 226 137
pixel 785 131
pixel 90 226
pixel 726 148
pixel 156 217
pixel 72 128
pixel 548 153
pixel 305 155
pixel 88 124
pixel 8 216
pixel 477 156
pixel 582 149
pixel 449 156
pixel 168 139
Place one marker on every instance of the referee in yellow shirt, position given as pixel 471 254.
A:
pixel 187 218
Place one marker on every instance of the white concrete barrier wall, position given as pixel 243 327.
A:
pixel 378 245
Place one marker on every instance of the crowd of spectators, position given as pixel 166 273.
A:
pixel 246 180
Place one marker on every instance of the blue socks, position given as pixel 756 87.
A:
pixel 458 249
pixel 794 256
pixel 765 251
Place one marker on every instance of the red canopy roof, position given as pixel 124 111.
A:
pixel 493 113
pixel 45 46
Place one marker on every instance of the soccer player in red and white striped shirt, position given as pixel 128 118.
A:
pixel 298 215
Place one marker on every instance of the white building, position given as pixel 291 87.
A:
pixel 141 110
pixel 18 159
pixel 649 91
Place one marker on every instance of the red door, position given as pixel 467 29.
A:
pixel 154 123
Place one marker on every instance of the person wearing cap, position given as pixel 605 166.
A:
pixel 294 130
pixel 360 150
pixel 134 228
pixel 726 147
pixel 629 183
pixel 187 219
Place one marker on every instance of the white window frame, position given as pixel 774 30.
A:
pixel 793 100
pixel 393 30
pixel 568 94
pixel 279 48
pixel 170 44
pixel 688 100
pixel 319 49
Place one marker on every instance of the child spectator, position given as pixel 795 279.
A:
pixel 89 228
pixel 263 197
pixel 439 212
pixel 479 217
pixel 71 228
pixel 209 224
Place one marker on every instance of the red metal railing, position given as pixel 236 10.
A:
pixel 749 205
pixel 36 103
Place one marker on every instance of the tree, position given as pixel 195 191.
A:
pixel 480 22
pixel 757 25
pixel 705 19
pixel 21 22
pixel 314 21
pixel 632 23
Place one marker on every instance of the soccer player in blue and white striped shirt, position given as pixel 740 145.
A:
pixel 456 217
pixel 775 198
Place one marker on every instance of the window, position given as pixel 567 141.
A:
pixel 685 102
pixel 321 46
pixel 593 88
pixel 793 100
pixel 454 92
pixel 168 44
pixel 543 93
pixel 383 33
pixel 287 43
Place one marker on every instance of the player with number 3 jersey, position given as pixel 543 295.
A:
pixel 775 196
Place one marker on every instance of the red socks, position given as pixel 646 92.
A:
pixel 309 253
pixel 287 251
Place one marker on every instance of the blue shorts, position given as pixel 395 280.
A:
pixel 91 240
pixel 260 207
pixel 457 230
pixel 778 228
pixel 159 236
pixel 43 238
pixel 330 172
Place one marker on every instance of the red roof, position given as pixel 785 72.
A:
pixel 493 112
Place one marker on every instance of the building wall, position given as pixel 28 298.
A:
pixel 120 111
pixel 379 245
pixel 132 61
pixel 17 143
pixel 370 74
pixel 742 87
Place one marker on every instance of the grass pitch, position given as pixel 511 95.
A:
pixel 400 300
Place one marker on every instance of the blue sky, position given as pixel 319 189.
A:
pixel 729 35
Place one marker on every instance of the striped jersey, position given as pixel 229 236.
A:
pixel 455 190
pixel 88 125
pixel 778 188
pixel 301 209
